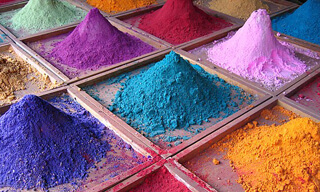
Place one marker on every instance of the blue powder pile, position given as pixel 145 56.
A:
pixel 42 146
pixel 303 23
pixel 173 94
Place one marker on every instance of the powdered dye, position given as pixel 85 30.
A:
pixel 303 23
pixel 275 158
pixel 254 53
pixel 161 180
pixel 41 146
pixel 39 15
pixel 173 94
pixel 115 6
pixel 179 21
pixel 309 95
pixel 14 76
pixel 237 8
pixel 95 43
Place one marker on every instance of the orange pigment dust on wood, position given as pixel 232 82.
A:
pixel 275 157
pixel 114 6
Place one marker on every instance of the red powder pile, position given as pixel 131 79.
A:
pixel 2 2
pixel 179 21
pixel 160 181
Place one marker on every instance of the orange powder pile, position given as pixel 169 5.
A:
pixel 115 6
pixel 275 158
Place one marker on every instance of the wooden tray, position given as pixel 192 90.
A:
pixel 222 177
pixel 25 44
pixel 276 7
pixel 202 58
pixel 13 34
pixel 300 99
pixel 87 6
pixel 21 54
pixel 132 20
pixel 108 92
pixel 139 178
pixel 93 182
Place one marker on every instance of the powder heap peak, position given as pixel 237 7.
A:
pixel 42 147
pixel 95 43
pixel 256 53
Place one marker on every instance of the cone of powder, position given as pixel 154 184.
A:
pixel 254 53
pixel 172 94
pixel 45 14
pixel 95 43
pixel 114 6
pixel 237 8
pixel 303 23
pixel 179 21
pixel 42 146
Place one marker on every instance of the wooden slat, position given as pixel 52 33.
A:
pixel 144 62
pixel 183 50
pixel 216 136
pixel 22 42
pixel 139 178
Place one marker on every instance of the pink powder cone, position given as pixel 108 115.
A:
pixel 254 53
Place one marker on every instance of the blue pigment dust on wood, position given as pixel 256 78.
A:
pixel 120 157
pixel 42 146
pixel 173 94
pixel 303 23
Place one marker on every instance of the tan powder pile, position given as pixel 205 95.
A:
pixel 14 74
pixel 237 8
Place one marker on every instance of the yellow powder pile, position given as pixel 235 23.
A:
pixel 114 6
pixel 275 158
pixel 14 75
pixel 241 9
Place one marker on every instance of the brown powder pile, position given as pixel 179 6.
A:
pixel 14 75
pixel 237 8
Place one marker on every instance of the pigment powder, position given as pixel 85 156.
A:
pixel 95 43
pixel 39 15
pixel 237 8
pixel 303 23
pixel 173 94
pixel 114 6
pixel 160 180
pixel 309 95
pixel 257 55
pixel 15 74
pixel 42 146
pixel 179 21
pixel 276 158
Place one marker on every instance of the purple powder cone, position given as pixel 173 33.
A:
pixel 95 43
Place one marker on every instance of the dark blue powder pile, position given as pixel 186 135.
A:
pixel 42 146
pixel 303 23
pixel 173 94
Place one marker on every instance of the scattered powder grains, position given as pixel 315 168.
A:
pixel 173 94
pixel 114 6
pixel 95 43
pixel 40 15
pixel 179 21
pixel 42 146
pixel 276 158
pixel 161 180
pixel 14 74
pixel 257 55
pixel 237 8
pixel 303 23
